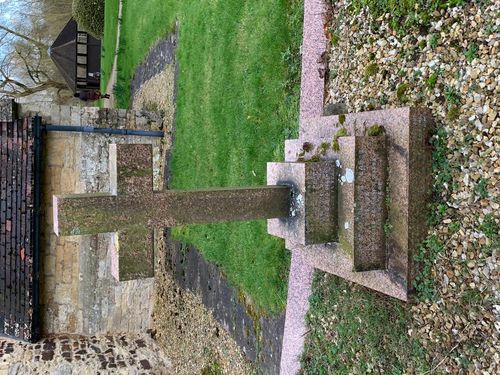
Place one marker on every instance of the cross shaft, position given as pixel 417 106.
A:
pixel 97 213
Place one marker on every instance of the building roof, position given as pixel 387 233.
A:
pixel 63 53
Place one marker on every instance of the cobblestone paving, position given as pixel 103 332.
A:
pixel 65 355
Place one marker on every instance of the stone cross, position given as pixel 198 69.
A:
pixel 133 209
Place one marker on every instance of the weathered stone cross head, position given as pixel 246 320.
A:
pixel 133 209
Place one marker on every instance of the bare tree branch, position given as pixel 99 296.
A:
pixel 27 38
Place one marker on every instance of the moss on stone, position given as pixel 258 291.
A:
pixel 375 130
pixel 341 133
pixel 335 145
pixel 342 119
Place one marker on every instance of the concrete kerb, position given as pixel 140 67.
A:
pixel 311 105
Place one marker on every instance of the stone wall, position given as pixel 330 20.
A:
pixel 7 110
pixel 66 355
pixel 78 293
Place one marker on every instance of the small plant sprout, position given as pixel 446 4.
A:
pixel 432 80
pixel 454 227
pixel 481 188
pixel 341 133
pixel 388 228
pixel 471 52
pixel 434 41
pixel 335 38
pixel 452 96
pixel 324 148
pixel 401 92
pixel 371 70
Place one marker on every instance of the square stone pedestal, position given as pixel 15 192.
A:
pixel 313 216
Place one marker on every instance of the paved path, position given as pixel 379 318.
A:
pixel 110 103
pixel 311 106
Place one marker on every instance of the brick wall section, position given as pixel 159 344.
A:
pixel 78 293
pixel 121 354
pixel 18 303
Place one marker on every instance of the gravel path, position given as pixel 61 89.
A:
pixel 110 103
pixel 452 68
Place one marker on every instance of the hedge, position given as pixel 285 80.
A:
pixel 89 14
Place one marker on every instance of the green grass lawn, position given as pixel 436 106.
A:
pixel 357 331
pixel 237 102
pixel 109 41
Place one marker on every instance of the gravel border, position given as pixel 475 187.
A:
pixel 452 68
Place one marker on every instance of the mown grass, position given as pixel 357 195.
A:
pixel 237 102
pixel 356 331
pixel 108 43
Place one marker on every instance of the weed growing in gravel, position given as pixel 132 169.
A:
pixel 490 28
pixel 432 80
pixel 490 228
pixel 401 92
pixel 453 113
pixel 443 172
pixel 432 246
pixel 487 250
pixel 426 257
pixel 471 297
pixel 384 99
pixel 416 74
pixel 454 227
pixel 471 52
pixel 437 213
pixel 454 101
pixel 404 14
pixel 468 139
pixel 452 96
pixel 434 41
pixel 213 369
pixel 481 188
pixel 371 70
pixel 335 38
